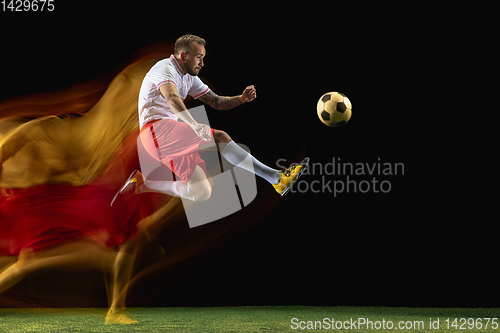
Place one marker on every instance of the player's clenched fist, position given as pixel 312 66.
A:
pixel 249 94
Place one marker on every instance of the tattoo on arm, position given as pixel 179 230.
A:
pixel 220 102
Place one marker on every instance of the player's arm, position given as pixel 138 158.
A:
pixel 176 104
pixel 225 103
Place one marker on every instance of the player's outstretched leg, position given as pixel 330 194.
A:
pixel 281 180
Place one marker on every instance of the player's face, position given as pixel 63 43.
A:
pixel 194 59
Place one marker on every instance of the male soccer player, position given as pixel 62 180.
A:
pixel 175 144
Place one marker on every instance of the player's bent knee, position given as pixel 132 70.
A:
pixel 221 137
pixel 203 193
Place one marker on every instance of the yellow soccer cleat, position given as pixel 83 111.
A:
pixel 290 176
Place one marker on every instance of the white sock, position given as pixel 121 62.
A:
pixel 237 156
pixel 173 188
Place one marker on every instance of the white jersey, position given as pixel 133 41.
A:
pixel 152 104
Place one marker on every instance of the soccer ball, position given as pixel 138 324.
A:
pixel 334 109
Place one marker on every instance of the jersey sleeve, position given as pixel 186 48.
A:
pixel 198 88
pixel 162 74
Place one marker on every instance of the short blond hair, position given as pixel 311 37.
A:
pixel 183 43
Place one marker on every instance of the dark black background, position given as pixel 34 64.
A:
pixel 399 248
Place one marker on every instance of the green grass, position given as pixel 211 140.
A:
pixel 236 319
